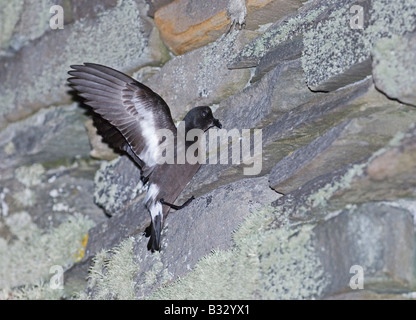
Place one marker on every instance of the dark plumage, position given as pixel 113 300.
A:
pixel 130 114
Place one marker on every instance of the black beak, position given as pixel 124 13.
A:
pixel 217 123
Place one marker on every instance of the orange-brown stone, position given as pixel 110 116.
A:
pixel 268 11
pixel 184 28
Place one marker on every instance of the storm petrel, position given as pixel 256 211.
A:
pixel 130 115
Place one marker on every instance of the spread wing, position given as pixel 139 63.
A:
pixel 135 113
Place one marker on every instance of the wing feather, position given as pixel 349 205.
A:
pixel 133 113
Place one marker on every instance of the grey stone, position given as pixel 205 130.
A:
pixel 82 9
pixel 282 132
pixel 383 175
pixel 328 67
pixel 336 54
pixel 394 70
pixel 301 125
pixel 257 106
pixel 289 50
pixel 155 5
pixel 24 21
pixel 50 194
pixel 205 225
pixel 377 237
pixel 343 160
pixel 283 40
pixel 117 184
pixel 288 166
pixel 281 90
pixel 352 74
pixel 308 203
pixel 45 167
pixel 48 136
pixel 66 191
pixel 367 130
pixel 99 149
pixel 35 77
pixel 201 77
pixel 260 12
pixel 132 221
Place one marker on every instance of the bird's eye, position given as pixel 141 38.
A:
pixel 204 114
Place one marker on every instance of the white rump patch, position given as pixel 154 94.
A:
pixel 148 130
pixel 156 210
pixel 152 192
pixel 154 207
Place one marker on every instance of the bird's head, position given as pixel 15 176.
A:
pixel 201 118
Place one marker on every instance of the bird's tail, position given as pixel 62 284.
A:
pixel 155 230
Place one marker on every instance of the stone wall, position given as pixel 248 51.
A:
pixel 330 84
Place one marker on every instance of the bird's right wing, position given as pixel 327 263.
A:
pixel 133 109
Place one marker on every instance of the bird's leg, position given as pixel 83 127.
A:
pixel 144 180
pixel 187 202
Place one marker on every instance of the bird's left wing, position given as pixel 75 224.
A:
pixel 129 106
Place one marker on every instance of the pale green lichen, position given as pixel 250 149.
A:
pixel 81 45
pixel 384 55
pixel 292 27
pixel 264 264
pixel 30 176
pixel 397 139
pixel 394 69
pixel 320 198
pixel 210 279
pixel 102 198
pixel 224 49
pixel 158 271
pixel 26 197
pixel 290 265
pixel 27 259
pixel 38 291
pixel 275 263
pixel 9 16
pixel 334 30
pixel 111 196
pixel 332 47
pixel 112 273
pixel 4 207
pixel 157 274
pixel 390 18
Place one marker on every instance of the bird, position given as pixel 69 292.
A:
pixel 128 115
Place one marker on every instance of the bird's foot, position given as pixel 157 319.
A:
pixel 173 206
